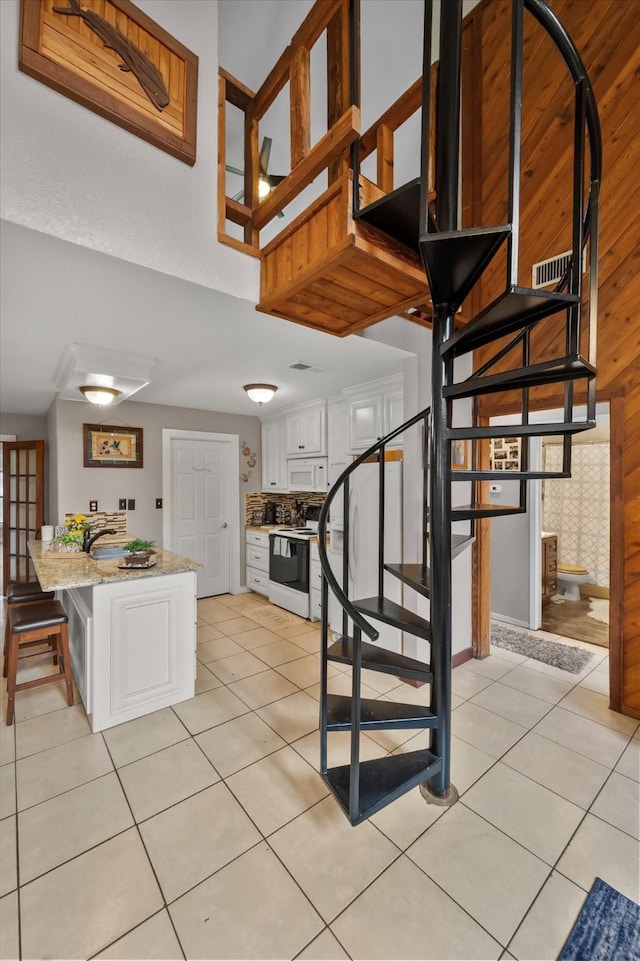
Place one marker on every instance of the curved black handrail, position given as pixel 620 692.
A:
pixel 549 21
pixel 355 615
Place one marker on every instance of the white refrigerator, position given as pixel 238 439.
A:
pixel 363 545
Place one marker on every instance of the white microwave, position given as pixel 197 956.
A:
pixel 307 474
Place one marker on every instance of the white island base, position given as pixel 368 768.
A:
pixel 132 645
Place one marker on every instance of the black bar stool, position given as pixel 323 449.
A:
pixel 41 622
pixel 28 592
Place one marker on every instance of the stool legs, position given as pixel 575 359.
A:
pixel 64 661
pixel 58 637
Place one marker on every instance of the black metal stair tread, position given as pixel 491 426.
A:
pixel 376 715
pixel 512 475
pixel 460 542
pixel 454 260
pixel 546 372
pixel 519 430
pixel 382 780
pixel 512 310
pixel 414 575
pixel 376 658
pixel 382 609
pixel 467 511
pixel 396 214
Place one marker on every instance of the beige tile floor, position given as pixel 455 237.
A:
pixel 205 831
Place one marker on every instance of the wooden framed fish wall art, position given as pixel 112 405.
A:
pixel 112 58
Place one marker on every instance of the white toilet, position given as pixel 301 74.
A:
pixel 570 577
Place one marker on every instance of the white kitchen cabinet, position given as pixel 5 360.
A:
pixel 274 454
pixel 306 429
pixel 375 409
pixel 132 645
pixel 337 453
pixel 257 570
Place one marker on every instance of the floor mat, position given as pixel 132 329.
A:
pixel 607 929
pixel 531 644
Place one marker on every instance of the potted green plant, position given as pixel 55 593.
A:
pixel 140 551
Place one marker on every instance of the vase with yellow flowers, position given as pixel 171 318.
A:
pixel 72 539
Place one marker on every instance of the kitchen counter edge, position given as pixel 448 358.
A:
pixel 82 570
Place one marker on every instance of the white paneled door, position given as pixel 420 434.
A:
pixel 202 473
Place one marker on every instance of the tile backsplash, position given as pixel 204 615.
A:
pixel 100 521
pixel 577 508
pixel 254 502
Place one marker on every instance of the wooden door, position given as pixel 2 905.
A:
pixel 22 508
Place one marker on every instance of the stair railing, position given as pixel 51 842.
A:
pixel 342 485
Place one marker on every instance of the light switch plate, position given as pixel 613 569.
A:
pixel 122 504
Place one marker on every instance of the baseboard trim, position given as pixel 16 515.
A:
pixel 594 590
pixel 509 620
pixel 462 656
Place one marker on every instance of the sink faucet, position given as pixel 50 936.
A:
pixel 89 540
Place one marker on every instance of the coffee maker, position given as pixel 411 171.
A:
pixel 270 512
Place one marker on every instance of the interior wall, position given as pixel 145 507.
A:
pixel 511 552
pixel 24 426
pixel 151 208
pixel 75 485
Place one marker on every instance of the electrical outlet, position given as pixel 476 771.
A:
pixel 158 503
pixel 122 504
pixel 131 505
pixel 93 507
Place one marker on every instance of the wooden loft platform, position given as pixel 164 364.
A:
pixel 327 269
pixel 336 274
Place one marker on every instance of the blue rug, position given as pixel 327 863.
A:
pixel 607 929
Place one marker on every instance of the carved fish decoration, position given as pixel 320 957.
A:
pixel 134 60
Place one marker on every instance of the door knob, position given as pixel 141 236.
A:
pixel 225 525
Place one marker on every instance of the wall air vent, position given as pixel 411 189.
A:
pixel 300 366
pixel 551 271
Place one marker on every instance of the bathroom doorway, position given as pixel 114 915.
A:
pixel 518 581
pixel 576 511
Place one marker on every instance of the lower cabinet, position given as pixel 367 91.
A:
pixel 549 568
pixel 315 584
pixel 258 562
pixel 132 645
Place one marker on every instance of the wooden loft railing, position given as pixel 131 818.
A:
pixel 305 260
pixel 292 68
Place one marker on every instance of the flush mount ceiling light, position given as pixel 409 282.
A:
pixel 260 393
pixel 99 395
pixel 118 374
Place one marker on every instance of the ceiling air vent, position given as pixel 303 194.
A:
pixel 300 366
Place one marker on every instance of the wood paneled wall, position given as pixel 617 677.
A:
pixel 607 35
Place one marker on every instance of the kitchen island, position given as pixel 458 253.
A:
pixel 132 632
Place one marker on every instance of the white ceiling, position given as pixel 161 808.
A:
pixel 207 344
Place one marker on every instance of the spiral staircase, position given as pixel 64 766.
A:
pixel 455 260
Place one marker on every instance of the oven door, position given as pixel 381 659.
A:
pixel 289 562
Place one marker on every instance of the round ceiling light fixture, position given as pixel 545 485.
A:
pixel 260 393
pixel 99 395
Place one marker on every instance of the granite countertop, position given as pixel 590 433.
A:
pixel 82 570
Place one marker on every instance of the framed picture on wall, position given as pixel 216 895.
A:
pixel 460 455
pixel 110 446
pixel 505 453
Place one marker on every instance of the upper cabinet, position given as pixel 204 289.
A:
pixel 306 429
pixel 374 409
pixel 274 455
